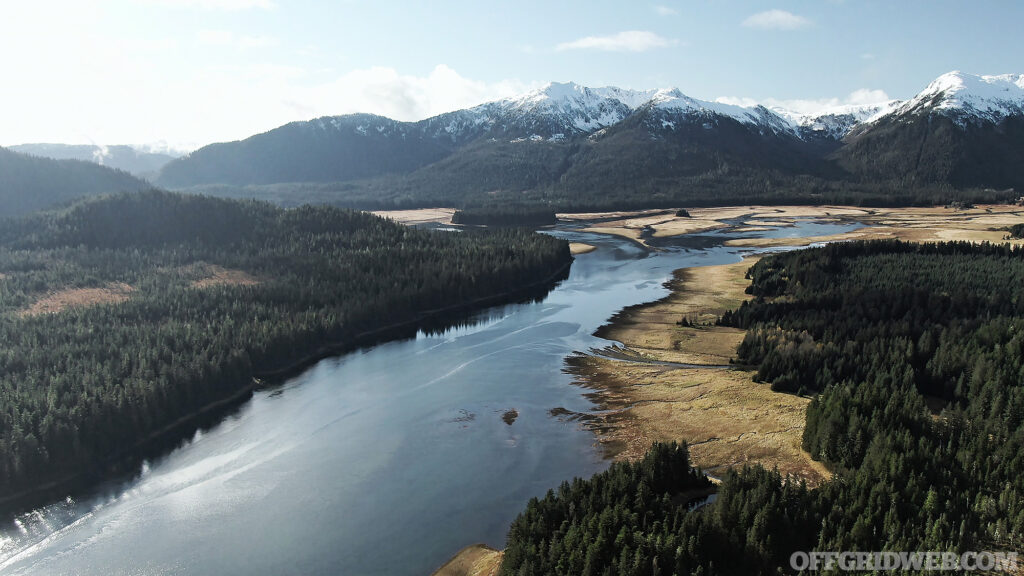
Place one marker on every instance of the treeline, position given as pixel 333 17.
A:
pixel 506 215
pixel 87 383
pixel 915 354
pixel 1017 231
pixel 640 519
pixel 626 190
pixel 29 183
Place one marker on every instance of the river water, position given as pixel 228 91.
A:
pixel 384 461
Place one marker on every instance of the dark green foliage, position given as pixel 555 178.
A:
pixel 917 355
pixel 472 183
pixel 506 215
pixel 131 160
pixel 323 150
pixel 932 148
pixel 29 183
pixel 1017 231
pixel 883 330
pixel 637 163
pixel 85 384
pixel 636 519
pixel 682 213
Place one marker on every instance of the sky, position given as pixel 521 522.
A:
pixel 184 73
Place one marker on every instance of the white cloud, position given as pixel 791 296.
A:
pixel 228 38
pixel 385 91
pixel 776 20
pixel 867 96
pixel 867 56
pixel 629 41
pixel 213 5
pixel 216 104
pixel 737 101
pixel 663 10
pixel 863 96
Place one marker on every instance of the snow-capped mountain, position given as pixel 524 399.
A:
pixel 562 110
pixel 962 129
pixel 675 102
pixel 562 130
pixel 836 122
pixel 969 98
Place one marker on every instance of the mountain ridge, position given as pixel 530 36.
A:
pixel 674 142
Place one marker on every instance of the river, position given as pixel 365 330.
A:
pixel 385 461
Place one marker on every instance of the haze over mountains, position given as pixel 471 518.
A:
pixel 575 147
pixel 568 141
pixel 134 160
pixel 29 183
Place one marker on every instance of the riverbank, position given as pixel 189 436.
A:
pixel 475 560
pixel 642 392
pixel 930 224
pixel 644 395
pixel 181 428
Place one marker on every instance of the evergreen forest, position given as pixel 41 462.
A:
pixel 162 304
pixel 914 356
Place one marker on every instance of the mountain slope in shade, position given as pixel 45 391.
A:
pixel 330 149
pixel 133 160
pixel 359 146
pixel 29 183
pixel 575 139
pixel 962 129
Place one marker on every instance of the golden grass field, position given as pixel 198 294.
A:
pixel 580 248
pixel 419 216
pixel 915 224
pixel 726 418
pixel 203 275
pixel 475 560
pixel 58 300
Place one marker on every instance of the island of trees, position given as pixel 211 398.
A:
pixel 208 293
pixel 915 357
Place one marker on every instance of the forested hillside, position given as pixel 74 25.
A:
pixel 135 161
pixel 916 356
pixel 923 151
pixel 122 314
pixel 576 148
pixel 29 183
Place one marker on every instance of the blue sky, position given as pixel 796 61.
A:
pixel 189 72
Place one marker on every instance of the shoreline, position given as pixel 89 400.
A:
pixel 18 502
pixel 624 392
pixel 473 560
pixel 676 382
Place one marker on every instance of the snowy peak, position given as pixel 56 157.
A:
pixel 835 122
pixel 676 102
pixel 566 108
pixel 970 98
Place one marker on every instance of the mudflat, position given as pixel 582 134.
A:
pixel 672 380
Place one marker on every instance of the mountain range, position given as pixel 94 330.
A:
pixel 573 146
pixel 29 183
pixel 134 160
